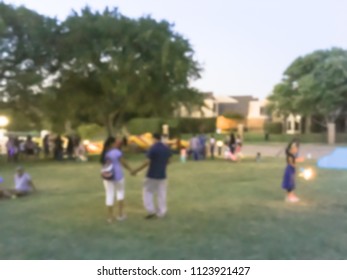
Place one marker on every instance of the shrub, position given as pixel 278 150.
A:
pixel 91 131
pixel 192 125
pixel 176 126
pixel 273 127
pixel 142 125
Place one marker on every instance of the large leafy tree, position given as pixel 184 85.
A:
pixel 26 61
pixel 315 84
pixel 95 67
pixel 115 68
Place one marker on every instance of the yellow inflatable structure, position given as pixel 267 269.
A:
pixel 145 141
pixel 224 124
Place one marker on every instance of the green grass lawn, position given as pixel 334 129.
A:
pixel 217 210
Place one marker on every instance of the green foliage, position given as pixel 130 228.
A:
pixel 192 125
pixel 91 131
pixel 273 127
pixel 27 41
pixel 102 68
pixel 127 67
pixel 177 126
pixel 142 125
pixel 314 84
pixel 19 121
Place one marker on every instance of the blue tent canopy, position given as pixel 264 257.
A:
pixel 336 160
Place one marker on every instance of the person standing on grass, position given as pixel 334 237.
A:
pixel 156 181
pixel 46 145
pixel 10 147
pixel 112 160
pixel 70 147
pixel 232 143
pixel 202 146
pixel 194 147
pixel 212 145
pixel 58 148
pixel 29 147
pixel 238 147
pixel 288 182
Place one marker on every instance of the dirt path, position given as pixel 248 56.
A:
pixel 277 150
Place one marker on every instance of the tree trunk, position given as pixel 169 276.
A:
pixel 118 124
pixel 331 133
pixel 345 124
pixel 109 125
pixel 284 124
pixel 68 127
pixel 308 124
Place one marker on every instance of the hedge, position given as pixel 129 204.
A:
pixel 177 126
pixel 273 127
pixel 192 125
pixel 91 131
pixel 142 125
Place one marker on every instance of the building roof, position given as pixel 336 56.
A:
pixel 242 105
pixel 208 95
pixel 218 99
pixel 244 97
pixel 225 99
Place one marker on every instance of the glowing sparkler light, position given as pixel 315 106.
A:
pixel 307 173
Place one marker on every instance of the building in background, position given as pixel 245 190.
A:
pixel 214 106
pixel 251 109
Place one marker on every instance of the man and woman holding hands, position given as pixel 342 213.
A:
pixel 158 157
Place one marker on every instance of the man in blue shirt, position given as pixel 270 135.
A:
pixel 156 182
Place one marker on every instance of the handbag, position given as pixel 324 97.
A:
pixel 107 171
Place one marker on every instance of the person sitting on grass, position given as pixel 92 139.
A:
pixel 23 183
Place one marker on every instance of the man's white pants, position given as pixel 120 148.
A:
pixel 150 188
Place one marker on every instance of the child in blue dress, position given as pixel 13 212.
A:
pixel 288 182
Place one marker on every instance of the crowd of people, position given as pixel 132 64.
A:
pixel 200 147
pixel 18 148
pixel 52 146
pixel 113 162
pixel 72 149
pixel 155 184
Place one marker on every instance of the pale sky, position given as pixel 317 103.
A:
pixel 243 45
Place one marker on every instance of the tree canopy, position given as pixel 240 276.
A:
pixel 96 67
pixel 314 84
pixel 25 60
